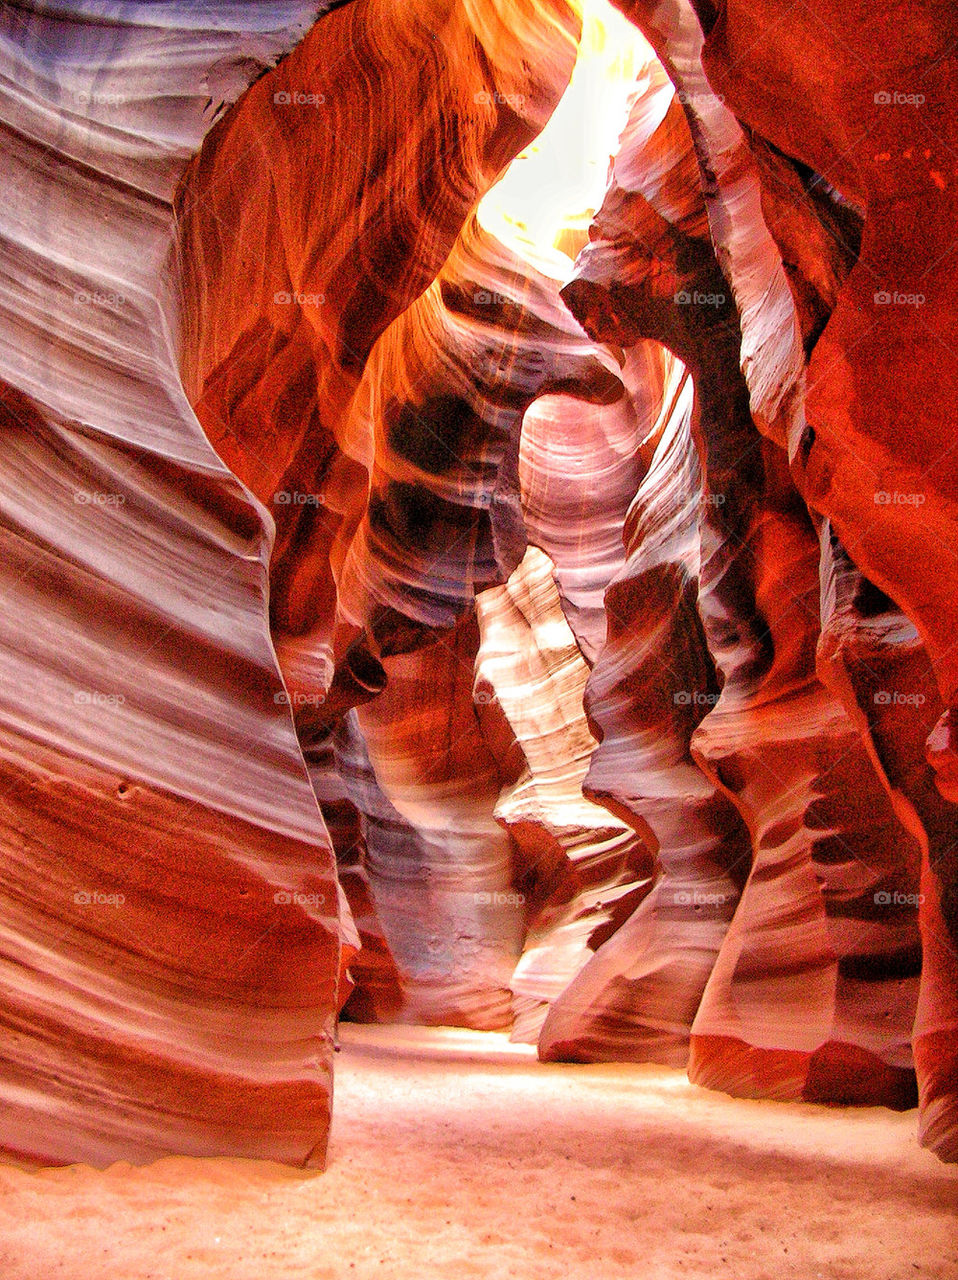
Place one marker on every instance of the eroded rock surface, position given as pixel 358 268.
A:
pixel 603 610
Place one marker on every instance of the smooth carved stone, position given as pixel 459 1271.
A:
pixel 885 358
pixel 871 655
pixel 371 990
pixel 288 281
pixel 446 898
pixel 875 308
pixel 637 998
pixel 773 741
pixel 581 870
pixel 886 141
pixel 402 970
pixel 444 396
pixel 171 921
pixel 770 350
pixel 579 467
pixel 288 286
pixel 277 407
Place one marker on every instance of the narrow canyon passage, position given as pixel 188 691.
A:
pixel 479 564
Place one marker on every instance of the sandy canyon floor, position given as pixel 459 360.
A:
pixel 456 1155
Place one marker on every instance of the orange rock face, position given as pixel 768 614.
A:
pixel 171 920
pixel 853 185
pixel 421 607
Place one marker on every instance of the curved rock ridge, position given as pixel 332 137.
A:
pixel 770 346
pixel 443 878
pixel 444 396
pixel 288 281
pixel 829 1012
pixel 171 931
pixel 406 622
pixel 417 900
pixel 855 196
pixel 884 357
pixel 477 334
pixel 342 779
pixel 580 870
pixel 579 467
pixel 871 655
pixel 889 149
pixel 379 467
pixel 651 686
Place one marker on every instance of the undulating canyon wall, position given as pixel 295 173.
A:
pixel 171 932
pixel 820 1004
pixel 416 619
pixel 828 165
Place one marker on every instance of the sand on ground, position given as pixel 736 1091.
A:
pixel 458 1156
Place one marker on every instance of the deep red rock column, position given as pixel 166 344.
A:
pixel 774 741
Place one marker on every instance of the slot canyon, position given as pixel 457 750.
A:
pixel 479 510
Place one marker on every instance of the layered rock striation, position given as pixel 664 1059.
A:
pixel 408 621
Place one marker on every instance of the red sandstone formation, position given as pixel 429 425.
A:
pixel 773 741
pixel 171 924
pixel 289 282
pixel 854 197
pixel 651 686
pixel 580 871
pixel 603 612
pixel 886 141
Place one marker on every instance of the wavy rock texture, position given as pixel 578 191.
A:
pixel 582 870
pixel 171 938
pixel 654 679
pixel 374 439
pixel 443 398
pixel 821 174
pixel 886 143
pixel 444 896
pixel 579 467
pixel 871 655
pixel 288 283
pixel 342 779
pixel 770 349
pixel 320 499
pixel 827 1012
